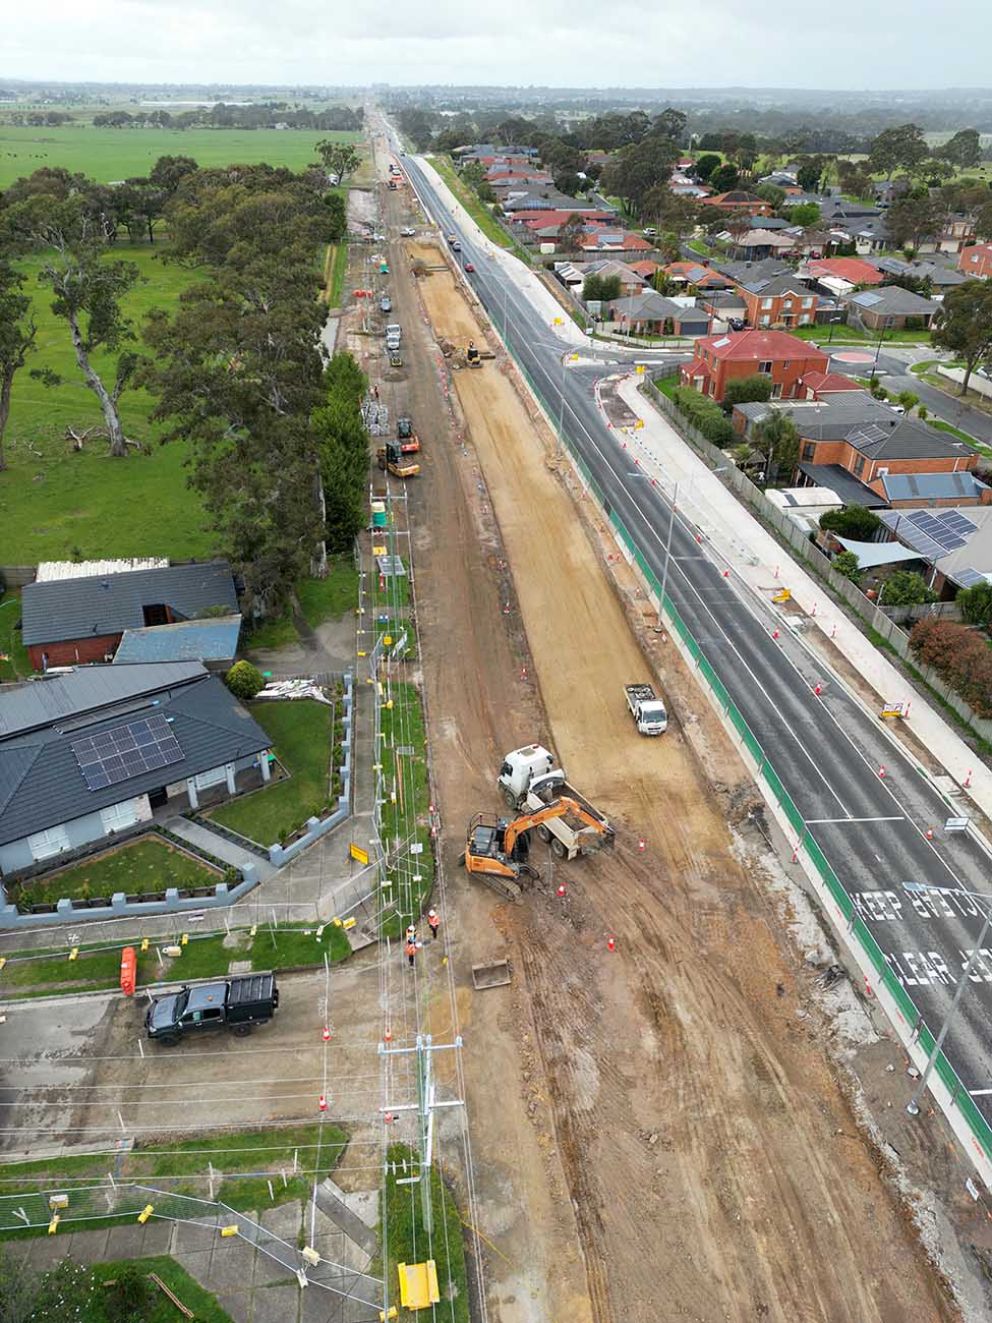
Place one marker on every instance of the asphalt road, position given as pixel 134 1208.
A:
pixel 827 749
pixel 893 369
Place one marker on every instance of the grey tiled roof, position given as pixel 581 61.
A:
pixel 189 640
pixel 41 784
pixel 911 439
pixel 60 609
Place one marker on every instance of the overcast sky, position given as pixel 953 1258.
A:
pixel 659 43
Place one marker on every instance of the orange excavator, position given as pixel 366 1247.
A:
pixel 497 848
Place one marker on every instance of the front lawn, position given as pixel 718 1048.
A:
pixel 14 661
pixel 327 598
pixel 57 503
pixel 852 335
pixel 145 865
pixel 301 734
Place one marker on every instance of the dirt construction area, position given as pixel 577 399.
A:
pixel 657 1131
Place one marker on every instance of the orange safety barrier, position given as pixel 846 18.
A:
pixel 129 970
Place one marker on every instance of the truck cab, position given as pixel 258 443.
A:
pixel 521 767
pixel 647 709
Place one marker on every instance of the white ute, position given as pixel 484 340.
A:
pixel 647 709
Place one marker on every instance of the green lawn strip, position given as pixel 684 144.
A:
pixel 327 598
pixel 41 973
pixel 56 502
pixel 479 212
pixel 852 335
pixel 107 154
pixel 335 273
pixel 668 386
pixel 278 633
pixel 407 1242
pixel 301 733
pixel 146 865
pixel 941 426
pixel 159 1308
pixel 407 817
pixel 14 661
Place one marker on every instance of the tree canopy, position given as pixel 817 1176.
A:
pixel 964 324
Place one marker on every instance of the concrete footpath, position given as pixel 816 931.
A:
pixel 764 566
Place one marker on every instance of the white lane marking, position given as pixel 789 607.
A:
pixel 815 822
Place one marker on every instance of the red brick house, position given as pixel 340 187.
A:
pixel 823 385
pixel 976 261
pixel 781 301
pixel 79 617
pixel 722 358
pixel 874 454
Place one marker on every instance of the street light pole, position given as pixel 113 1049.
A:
pixel 878 348
pixel 913 1106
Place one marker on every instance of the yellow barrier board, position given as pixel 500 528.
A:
pixel 418 1284
pixel 357 853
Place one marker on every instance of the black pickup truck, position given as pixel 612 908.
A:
pixel 237 1004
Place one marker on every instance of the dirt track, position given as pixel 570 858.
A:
pixel 669 1102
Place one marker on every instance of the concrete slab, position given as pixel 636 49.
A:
pixel 158 1237
pixel 238 1304
pixel 283 1221
pixel 230 1268
pixel 194 1237
pixel 126 1242
pixel 277 1304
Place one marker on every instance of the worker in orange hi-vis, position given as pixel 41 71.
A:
pixel 433 922
pixel 411 950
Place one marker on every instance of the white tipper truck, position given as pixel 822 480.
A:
pixel 646 708
pixel 529 780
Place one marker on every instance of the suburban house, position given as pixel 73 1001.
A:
pixel 71 614
pixel 575 274
pixel 976 261
pixel 873 451
pixel 649 313
pixel 738 200
pixel 956 543
pixel 779 301
pixel 726 306
pixel 840 275
pixel 890 307
pixel 756 244
pixel 613 241
pixel 645 268
pixel 820 423
pixel 720 359
pixel 941 278
pixel 743 272
pixel 92 753
pixel 695 274
pixel 957 232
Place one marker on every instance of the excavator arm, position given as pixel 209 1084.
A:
pixel 558 808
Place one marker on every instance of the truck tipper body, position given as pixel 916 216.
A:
pixel 647 709
pixel 237 1004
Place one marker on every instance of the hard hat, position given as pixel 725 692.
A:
pixel 432 913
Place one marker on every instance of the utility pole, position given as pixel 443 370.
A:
pixel 668 548
pixel 425 1107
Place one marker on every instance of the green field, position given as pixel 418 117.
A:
pixel 110 154
pixel 56 502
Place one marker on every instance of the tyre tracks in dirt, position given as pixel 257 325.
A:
pixel 657 1130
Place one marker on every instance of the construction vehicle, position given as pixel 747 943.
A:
pixel 497 848
pixel 409 441
pixel 395 358
pixel 646 708
pixel 529 780
pixel 391 457
pixel 472 356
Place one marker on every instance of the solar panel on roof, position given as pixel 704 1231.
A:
pixel 969 577
pixel 126 751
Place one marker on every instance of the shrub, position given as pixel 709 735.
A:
pixel 743 390
pixel 244 680
pixel 906 588
pixel 854 521
pixel 846 563
pixel 976 604
pixel 962 658
pixel 705 414
pixel 129 1295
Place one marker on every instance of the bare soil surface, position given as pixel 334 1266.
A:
pixel 657 1130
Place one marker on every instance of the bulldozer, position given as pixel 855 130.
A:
pixel 391 457
pixel 472 356
pixel 497 848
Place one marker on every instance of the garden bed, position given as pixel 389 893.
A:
pixel 142 867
